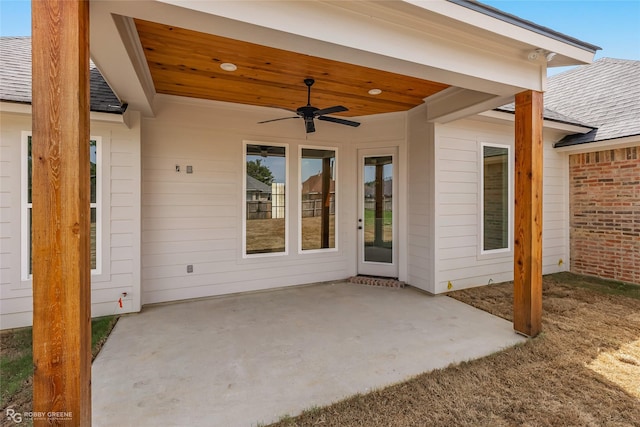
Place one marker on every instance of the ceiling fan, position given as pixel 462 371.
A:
pixel 309 112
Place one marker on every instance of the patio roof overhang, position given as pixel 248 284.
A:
pixel 470 62
pixel 422 40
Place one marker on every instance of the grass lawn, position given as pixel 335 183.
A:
pixel 16 362
pixel 583 370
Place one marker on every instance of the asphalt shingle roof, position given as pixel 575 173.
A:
pixel 15 77
pixel 258 186
pixel 605 94
pixel 549 115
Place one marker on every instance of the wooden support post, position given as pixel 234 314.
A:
pixel 61 214
pixel 326 201
pixel 527 307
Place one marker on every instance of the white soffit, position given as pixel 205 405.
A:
pixel 371 34
pixel 510 33
pixel 95 116
pixel 422 40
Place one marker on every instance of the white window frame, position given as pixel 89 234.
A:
pixel 510 204
pixel 244 200
pixel 26 207
pixel 311 251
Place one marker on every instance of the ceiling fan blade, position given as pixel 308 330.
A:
pixel 282 118
pixel 310 126
pixel 330 110
pixel 340 121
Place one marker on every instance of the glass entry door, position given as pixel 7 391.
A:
pixel 376 224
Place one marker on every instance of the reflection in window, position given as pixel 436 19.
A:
pixel 495 195
pixel 265 196
pixel 378 209
pixel 318 199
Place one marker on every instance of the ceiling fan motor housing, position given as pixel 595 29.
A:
pixel 309 112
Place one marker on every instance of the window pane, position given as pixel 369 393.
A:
pixel 93 169
pixel 378 209
pixel 265 199
pixel 29 256
pixel 496 197
pixel 93 230
pixel 318 199
pixel 29 171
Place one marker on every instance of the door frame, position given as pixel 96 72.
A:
pixel 370 268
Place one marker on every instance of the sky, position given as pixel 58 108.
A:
pixel 613 25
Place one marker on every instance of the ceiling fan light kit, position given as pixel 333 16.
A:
pixel 309 113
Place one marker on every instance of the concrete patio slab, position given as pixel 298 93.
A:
pixel 253 358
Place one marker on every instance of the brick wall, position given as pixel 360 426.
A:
pixel 605 214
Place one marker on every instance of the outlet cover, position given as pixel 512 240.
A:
pixel 189 169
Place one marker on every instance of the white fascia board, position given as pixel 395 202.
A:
pixel 455 103
pixel 549 124
pixel 609 144
pixel 567 54
pixel 15 108
pixel 372 34
pixel 95 116
pixel 110 49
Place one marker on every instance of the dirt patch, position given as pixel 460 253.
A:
pixel 569 375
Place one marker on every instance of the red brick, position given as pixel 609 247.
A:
pixel 604 205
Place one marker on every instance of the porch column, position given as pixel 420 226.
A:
pixel 527 307
pixel 61 214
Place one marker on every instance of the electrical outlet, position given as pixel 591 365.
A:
pixel 177 168
pixel 189 169
pixel 190 268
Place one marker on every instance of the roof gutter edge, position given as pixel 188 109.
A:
pixel 523 23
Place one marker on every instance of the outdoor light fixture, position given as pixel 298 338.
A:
pixel 228 66
pixel 537 53
pixel 534 54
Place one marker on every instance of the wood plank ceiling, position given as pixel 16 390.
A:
pixel 187 63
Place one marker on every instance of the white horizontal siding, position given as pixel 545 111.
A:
pixel 420 271
pixel 458 257
pixel 196 219
pixel 555 215
pixel 120 159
